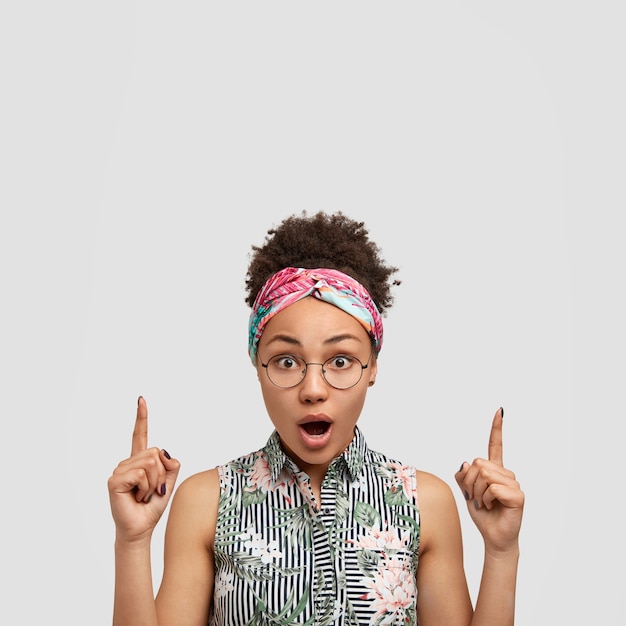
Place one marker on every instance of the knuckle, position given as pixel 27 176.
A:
pixel 151 463
pixel 486 474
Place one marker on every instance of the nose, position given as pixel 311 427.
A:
pixel 313 387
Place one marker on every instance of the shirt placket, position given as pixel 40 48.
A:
pixel 328 591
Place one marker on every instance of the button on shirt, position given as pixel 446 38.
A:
pixel 282 558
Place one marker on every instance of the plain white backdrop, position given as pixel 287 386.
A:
pixel 145 146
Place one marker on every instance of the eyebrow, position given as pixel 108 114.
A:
pixel 328 342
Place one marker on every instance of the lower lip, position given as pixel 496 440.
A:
pixel 315 442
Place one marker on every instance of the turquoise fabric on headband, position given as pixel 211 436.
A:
pixel 294 283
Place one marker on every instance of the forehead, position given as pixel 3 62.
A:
pixel 312 322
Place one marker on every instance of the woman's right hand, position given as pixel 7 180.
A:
pixel 141 486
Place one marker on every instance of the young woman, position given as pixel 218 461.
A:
pixel 316 527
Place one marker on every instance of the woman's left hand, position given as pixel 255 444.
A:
pixel 494 498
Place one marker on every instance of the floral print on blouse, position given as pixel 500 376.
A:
pixel 282 558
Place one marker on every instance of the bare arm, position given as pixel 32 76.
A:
pixel 139 491
pixel 443 597
pixel 495 502
pixel 186 592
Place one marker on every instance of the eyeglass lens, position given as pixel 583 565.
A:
pixel 341 371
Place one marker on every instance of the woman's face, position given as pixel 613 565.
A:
pixel 314 420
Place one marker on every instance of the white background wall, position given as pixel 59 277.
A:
pixel 145 146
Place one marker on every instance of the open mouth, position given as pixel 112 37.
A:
pixel 316 428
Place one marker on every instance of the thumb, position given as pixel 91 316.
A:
pixel 172 468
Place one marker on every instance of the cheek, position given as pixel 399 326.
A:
pixel 352 404
pixel 272 396
pixel 358 403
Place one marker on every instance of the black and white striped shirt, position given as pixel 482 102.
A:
pixel 282 558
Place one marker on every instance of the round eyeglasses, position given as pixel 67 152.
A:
pixel 340 371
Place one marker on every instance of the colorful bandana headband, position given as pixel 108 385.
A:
pixel 292 284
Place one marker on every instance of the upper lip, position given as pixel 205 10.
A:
pixel 318 417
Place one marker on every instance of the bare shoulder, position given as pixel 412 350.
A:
pixel 439 517
pixel 195 504
pixel 200 484
pixel 433 489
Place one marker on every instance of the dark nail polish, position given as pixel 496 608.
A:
pixel 147 500
pixel 462 466
pixel 466 495
pixel 163 489
pixel 476 504
pixel 166 454
pixel 501 412
pixel 138 399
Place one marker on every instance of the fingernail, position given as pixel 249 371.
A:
pixel 166 454
pixel 501 412
pixel 163 489
pixel 476 504
pixel 138 399
pixel 147 500
pixel 466 495
pixel 462 466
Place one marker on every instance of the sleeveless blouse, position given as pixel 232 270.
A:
pixel 282 558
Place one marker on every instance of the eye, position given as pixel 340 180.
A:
pixel 286 362
pixel 340 362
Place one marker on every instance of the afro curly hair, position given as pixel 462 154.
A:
pixel 330 240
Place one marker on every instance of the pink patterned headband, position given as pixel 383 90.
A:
pixel 294 283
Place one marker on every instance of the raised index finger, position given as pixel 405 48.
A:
pixel 140 434
pixel 495 437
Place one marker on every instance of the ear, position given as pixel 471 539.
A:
pixel 373 370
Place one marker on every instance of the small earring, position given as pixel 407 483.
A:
pixel 371 383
